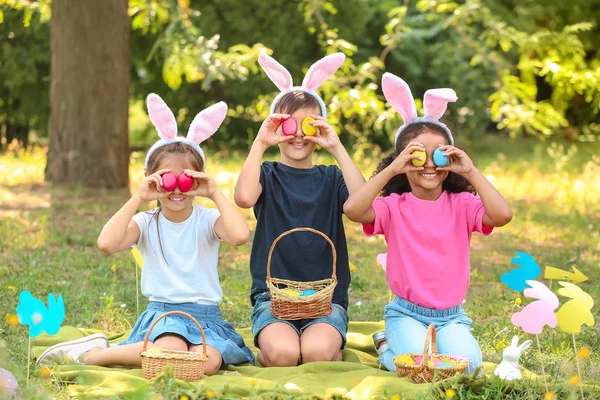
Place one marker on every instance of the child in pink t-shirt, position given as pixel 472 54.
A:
pixel 427 214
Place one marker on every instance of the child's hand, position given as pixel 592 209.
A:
pixel 402 163
pixel 151 188
pixel 460 163
pixel 204 184
pixel 327 138
pixel 267 134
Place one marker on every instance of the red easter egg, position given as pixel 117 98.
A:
pixel 289 127
pixel 185 182
pixel 169 181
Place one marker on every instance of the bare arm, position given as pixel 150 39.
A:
pixel 121 232
pixel 358 206
pixel 330 141
pixel 248 188
pixel 497 211
pixel 231 226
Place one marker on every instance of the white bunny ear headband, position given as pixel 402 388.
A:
pixel 316 75
pixel 204 125
pixel 435 101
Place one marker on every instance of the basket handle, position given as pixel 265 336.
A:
pixel 430 344
pixel 333 275
pixel 171 313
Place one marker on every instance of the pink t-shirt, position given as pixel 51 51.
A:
pixel 428 259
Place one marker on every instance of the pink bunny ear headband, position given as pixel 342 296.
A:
pixel 316 75
pixel 204 125
pixel 435 101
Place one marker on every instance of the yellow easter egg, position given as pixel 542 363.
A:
pixel 421 162
pixel 290 292
pixel 308 129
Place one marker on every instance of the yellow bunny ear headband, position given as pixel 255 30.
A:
pixel 316 75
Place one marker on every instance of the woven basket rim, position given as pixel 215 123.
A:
pixel 175 355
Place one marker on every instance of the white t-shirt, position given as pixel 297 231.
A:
pixel 191 250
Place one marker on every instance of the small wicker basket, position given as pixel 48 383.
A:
pixel 187 365
pixel 430 365
pixel 286 301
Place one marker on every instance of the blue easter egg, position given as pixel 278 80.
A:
pixel 439 159
pixel 308 292
pixel 445 365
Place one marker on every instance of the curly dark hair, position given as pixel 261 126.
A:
pixel 399 184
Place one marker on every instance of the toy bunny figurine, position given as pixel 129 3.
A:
pixel 508 369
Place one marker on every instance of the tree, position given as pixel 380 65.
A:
pixel 90 66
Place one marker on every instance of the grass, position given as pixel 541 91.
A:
pixel 48 236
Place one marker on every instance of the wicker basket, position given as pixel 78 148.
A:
pixel 187 365
pixel 286 301
pixel 422 368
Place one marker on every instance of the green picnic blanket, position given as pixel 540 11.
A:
pixel 358 376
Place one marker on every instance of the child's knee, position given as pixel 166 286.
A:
pixel 280 355
pixel 319 351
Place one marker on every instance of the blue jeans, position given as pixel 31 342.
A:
pixel 406 325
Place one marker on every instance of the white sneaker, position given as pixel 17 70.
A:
pixel 71 351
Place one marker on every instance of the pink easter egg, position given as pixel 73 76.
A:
pixel 169 181
pixel 185 182
pixel 289 127
pixel 8 382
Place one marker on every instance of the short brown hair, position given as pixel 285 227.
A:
pixel 297 100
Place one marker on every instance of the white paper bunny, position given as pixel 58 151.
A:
pixel 508 369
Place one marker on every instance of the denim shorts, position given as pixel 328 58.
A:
pixel 219 334
pixel 262 317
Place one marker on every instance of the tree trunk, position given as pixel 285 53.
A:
pixel 89 70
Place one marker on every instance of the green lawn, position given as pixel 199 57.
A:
pixel 48 244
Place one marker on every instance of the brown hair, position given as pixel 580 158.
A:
pixel 454 183
pixel 183 150
pixel 293 101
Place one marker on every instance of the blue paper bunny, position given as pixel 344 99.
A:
pixel 515 279
pixel 33 312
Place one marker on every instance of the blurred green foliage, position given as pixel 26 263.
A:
pixel 525 67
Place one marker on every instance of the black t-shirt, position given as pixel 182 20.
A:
pixel 295 198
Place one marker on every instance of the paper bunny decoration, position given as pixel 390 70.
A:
pixel 316 75
pixel 574 313
pixel 539 313
pixel 204 125
pixel 33 312
pixel 508 369
pixel 435 102
pixel 382 260
pixel 516 278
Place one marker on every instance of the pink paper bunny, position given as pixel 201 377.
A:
pixel 316 75
pixel 539 313
pixel 204 125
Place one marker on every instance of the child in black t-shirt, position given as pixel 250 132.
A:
pixel 295 193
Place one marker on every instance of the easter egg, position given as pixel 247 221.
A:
pixel 405 359
pixel 308 129
pixel 308 292
pixel 421 162
pixel 439 158
pixel 8 382
pixel 289 127
pixel 290 292
pixel 445 365
pixel 185 182
pixel 169 181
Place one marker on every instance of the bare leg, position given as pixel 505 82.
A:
pixel 279 346
pixel 129 354
pixel 214 358
pixel 321 342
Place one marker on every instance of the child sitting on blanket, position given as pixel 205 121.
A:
pixel 179 243
pixel 294 193
pixel 427 213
